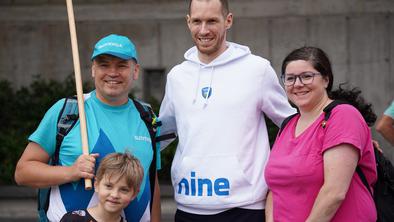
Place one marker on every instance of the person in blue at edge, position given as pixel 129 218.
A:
pixel 385 124
pixel 114 125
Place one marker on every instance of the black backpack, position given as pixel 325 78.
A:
pixel 383 190
pixel 67 118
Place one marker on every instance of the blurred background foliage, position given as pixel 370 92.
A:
pixel 21 111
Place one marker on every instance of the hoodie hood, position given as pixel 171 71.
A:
pixel 233 52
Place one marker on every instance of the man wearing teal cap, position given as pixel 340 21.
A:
pixel 114 125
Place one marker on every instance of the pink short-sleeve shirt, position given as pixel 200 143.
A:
pixel 294 172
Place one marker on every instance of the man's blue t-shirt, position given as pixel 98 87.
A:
pixel 110 129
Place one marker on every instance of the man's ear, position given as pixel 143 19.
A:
pixel 188 20
pixel 136 71
pixel 93 70
pixel 229 20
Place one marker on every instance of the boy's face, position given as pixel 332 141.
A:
pixel 114 194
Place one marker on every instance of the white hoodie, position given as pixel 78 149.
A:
pixel 217 111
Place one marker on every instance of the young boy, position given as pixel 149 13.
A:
pixel 117 183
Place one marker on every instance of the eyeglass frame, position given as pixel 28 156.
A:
pixel 282 77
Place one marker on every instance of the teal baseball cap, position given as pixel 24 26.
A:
pixel 115 45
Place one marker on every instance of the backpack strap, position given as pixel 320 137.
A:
pixel 152 123
pixel 363 179
pixel 327 111
pixel 378 160
pixel 285 122
pixel 68 116
pixel 165 137
pixel 66 120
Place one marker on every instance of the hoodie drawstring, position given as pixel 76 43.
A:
pixel 209 88
pixel 198 84
pixel 206 97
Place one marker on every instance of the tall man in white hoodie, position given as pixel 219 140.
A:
pixel 216 100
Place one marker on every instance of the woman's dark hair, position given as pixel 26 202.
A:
pixel 318 59
pixel 354 98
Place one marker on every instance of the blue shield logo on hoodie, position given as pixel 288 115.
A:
pixel 206 92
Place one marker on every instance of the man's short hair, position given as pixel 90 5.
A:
pixel 122 165
pixel 224 3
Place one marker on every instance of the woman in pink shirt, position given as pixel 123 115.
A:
pixel 311 169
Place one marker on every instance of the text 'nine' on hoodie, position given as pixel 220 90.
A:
pixel 217 111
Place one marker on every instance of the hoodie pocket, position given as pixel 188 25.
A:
pixel 211 181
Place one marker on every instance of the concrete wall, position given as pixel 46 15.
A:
pixel 357 35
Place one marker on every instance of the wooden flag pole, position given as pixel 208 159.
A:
pixel 78 83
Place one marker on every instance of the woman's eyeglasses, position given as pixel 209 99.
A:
pixel 305 78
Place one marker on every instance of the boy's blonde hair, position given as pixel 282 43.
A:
pixel 122 165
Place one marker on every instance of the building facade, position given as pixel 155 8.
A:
pixel 358 35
